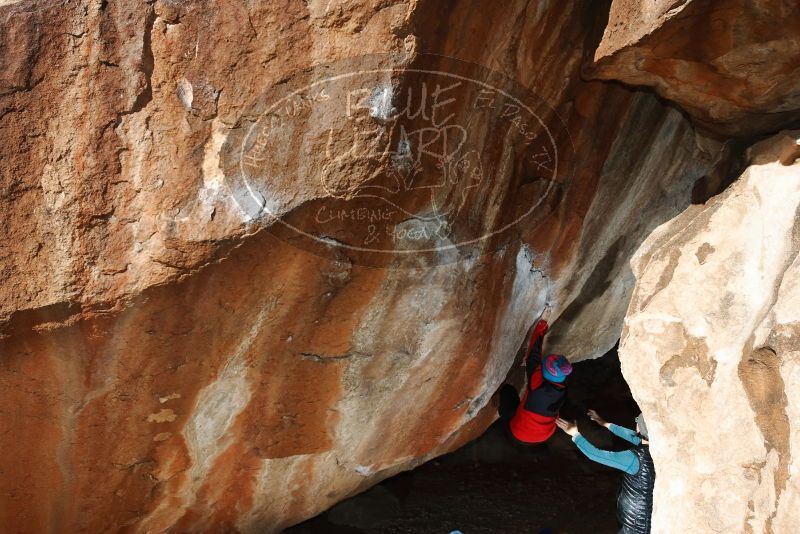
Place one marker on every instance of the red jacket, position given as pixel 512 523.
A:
pixel 535 419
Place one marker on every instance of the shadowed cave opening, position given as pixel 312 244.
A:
pixel 495 485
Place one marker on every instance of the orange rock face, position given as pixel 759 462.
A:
pixel 732 64
pixel 176 355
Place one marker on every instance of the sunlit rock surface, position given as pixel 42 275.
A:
pixel 711 351
pixel 170 359
pixel 732 64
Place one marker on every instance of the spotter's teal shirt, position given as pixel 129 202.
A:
pixel 626 461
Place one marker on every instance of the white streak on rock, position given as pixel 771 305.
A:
pixel 213 177
pixel 380 103
pixel 363 470
pixel 218 405
pixel 185 93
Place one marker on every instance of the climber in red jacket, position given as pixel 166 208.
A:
pixel 533 419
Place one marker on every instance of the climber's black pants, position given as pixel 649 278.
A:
pixel 509 401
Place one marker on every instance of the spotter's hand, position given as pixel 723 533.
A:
pixel 593 415
pixel 567 426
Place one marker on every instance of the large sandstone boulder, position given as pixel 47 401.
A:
pixel 174 354
pixel 173 357
pixel 711 349
pixel 732 64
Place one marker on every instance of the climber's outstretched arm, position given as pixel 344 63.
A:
pixel 533 356
pixel 620 431
pixel 625 433
pixel 626 461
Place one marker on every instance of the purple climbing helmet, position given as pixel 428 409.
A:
pixel 556 368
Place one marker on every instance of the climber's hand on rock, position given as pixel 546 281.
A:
pixel 567 426
pixel 596 418
pixel 546 314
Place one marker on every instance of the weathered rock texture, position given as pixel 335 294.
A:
pixel 166 362
pixel 732 64
pixel 711 349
